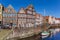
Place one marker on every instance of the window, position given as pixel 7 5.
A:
pixel 14 25
pixel 4 15
pixel 14 14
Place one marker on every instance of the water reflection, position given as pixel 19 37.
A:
pixel 55 36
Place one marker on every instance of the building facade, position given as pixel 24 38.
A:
pixel 39 19
pixel 26 17
pixel 9 16
pixel 21 18
pixel 1 14
pixel 30 16
pixel 57 20
pixel 50 19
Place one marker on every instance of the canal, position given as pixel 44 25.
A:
pixel 55 36
pixel 52 37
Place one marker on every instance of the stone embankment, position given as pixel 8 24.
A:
pixel 16 34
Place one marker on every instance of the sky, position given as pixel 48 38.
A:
pixel 51 7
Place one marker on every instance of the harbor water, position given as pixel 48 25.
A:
pixel 54 36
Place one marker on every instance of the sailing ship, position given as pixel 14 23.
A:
pixel 44 32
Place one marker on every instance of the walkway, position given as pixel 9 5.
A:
pixel 23 33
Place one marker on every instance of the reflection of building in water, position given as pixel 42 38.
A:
pixel 9 16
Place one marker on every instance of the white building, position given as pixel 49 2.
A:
pixel 57 20
pixel 50 19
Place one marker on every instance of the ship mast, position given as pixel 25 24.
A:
pixel 44 22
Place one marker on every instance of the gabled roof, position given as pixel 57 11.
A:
pixel 22 10
pixel 11 8
pixel 57 18
pixel 30 7
pixel 46 17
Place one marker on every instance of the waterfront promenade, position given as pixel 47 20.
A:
pixel 3 33
pixel 23 33
pixel 18 33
